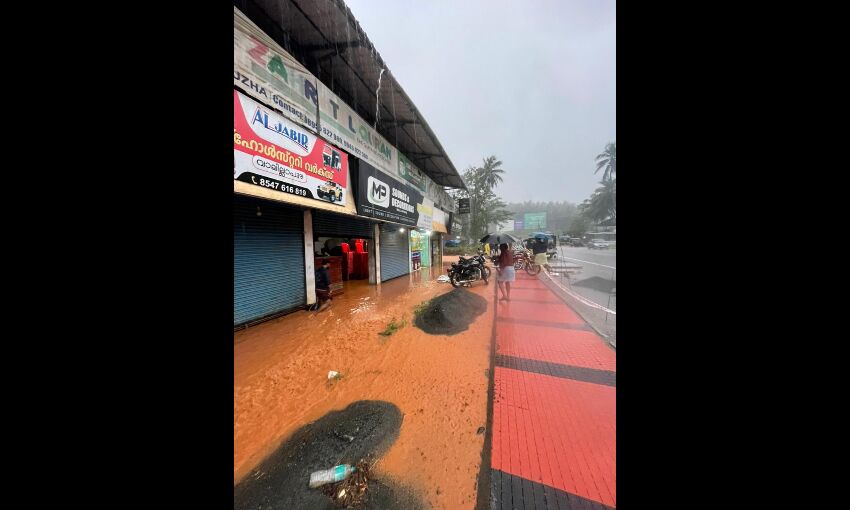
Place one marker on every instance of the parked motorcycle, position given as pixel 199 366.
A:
pixel 466 271
pixel 524 259
pixel 482 260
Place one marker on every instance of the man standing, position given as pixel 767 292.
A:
pixel 323 285
pixel 539 247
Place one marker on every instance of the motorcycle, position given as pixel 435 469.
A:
pixel 482 260
pixel 466 271
pixel 523 259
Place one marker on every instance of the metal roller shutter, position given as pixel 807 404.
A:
pixel 328 223
pixel 395 252
pixel 268 262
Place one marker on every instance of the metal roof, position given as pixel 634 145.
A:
pixel 324 36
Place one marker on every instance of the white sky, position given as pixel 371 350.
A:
pixel 532 82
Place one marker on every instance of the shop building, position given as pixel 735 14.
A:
pixel 317 174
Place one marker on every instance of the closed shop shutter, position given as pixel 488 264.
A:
pixel 268 263
pixel 330 224
pixel 395 252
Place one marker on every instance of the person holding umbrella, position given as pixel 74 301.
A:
pixel 506 272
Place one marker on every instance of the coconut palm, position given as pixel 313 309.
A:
pixel 608 161
pixel 602 205
pixel 490 172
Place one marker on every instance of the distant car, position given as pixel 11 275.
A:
pixel 575 241
pixel 452 243
pixel 598 244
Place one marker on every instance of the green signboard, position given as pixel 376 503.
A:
pixel 535 221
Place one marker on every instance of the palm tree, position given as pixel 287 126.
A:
pixel 602 205
pixel 491 172
pixel 608 161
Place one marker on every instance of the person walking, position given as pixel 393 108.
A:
pixel 323 285
pixel 506 271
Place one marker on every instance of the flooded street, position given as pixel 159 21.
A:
pixel 438 382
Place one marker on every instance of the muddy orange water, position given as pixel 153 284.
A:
pixel 438 382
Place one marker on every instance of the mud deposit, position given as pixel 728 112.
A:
pixel 363 430
pixel 450 313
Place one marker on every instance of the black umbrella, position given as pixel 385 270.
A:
pixel 499 238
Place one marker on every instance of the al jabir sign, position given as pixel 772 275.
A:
pixel 272 152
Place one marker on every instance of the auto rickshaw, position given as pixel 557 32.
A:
pixel 551 243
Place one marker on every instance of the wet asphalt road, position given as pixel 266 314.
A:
pixel 598 275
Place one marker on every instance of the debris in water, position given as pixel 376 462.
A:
pixel 344 436
pixel 333 374
pixel 332 475
pixel 350 492
pixel 393 326
pixel 480 430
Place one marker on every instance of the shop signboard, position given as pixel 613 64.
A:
pixel 265 71
pixel 274 152
pixel 382 197
pixel 462 205
pixel 268 73
pixel 440 221
pixel 409 172
pixel 426 214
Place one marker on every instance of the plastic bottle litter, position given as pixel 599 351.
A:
pixel 333 475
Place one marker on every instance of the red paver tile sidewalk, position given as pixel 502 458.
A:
pixel 554 408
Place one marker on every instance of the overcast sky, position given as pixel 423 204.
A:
pixel 532 82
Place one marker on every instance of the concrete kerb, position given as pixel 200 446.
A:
pixel 555 290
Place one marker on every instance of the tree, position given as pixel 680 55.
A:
pixel 608 161
pixel 490 172
pixel 485 206
pixel 602 205
pixel 579 226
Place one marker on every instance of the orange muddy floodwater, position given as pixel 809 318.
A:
pixel 438 382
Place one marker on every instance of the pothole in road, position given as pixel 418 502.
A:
pixel 597 283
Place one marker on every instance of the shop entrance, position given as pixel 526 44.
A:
pixel 345 242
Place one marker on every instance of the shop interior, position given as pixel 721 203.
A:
pixel 348 257
pixel 420 241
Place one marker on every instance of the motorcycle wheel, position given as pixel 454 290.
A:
pixel 453 278
pixel 518 263
pixel 533 269
pixel 484 274
pixel 487 273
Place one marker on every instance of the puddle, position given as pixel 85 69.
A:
pixel 597 283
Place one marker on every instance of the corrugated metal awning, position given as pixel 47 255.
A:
pixel 324 36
